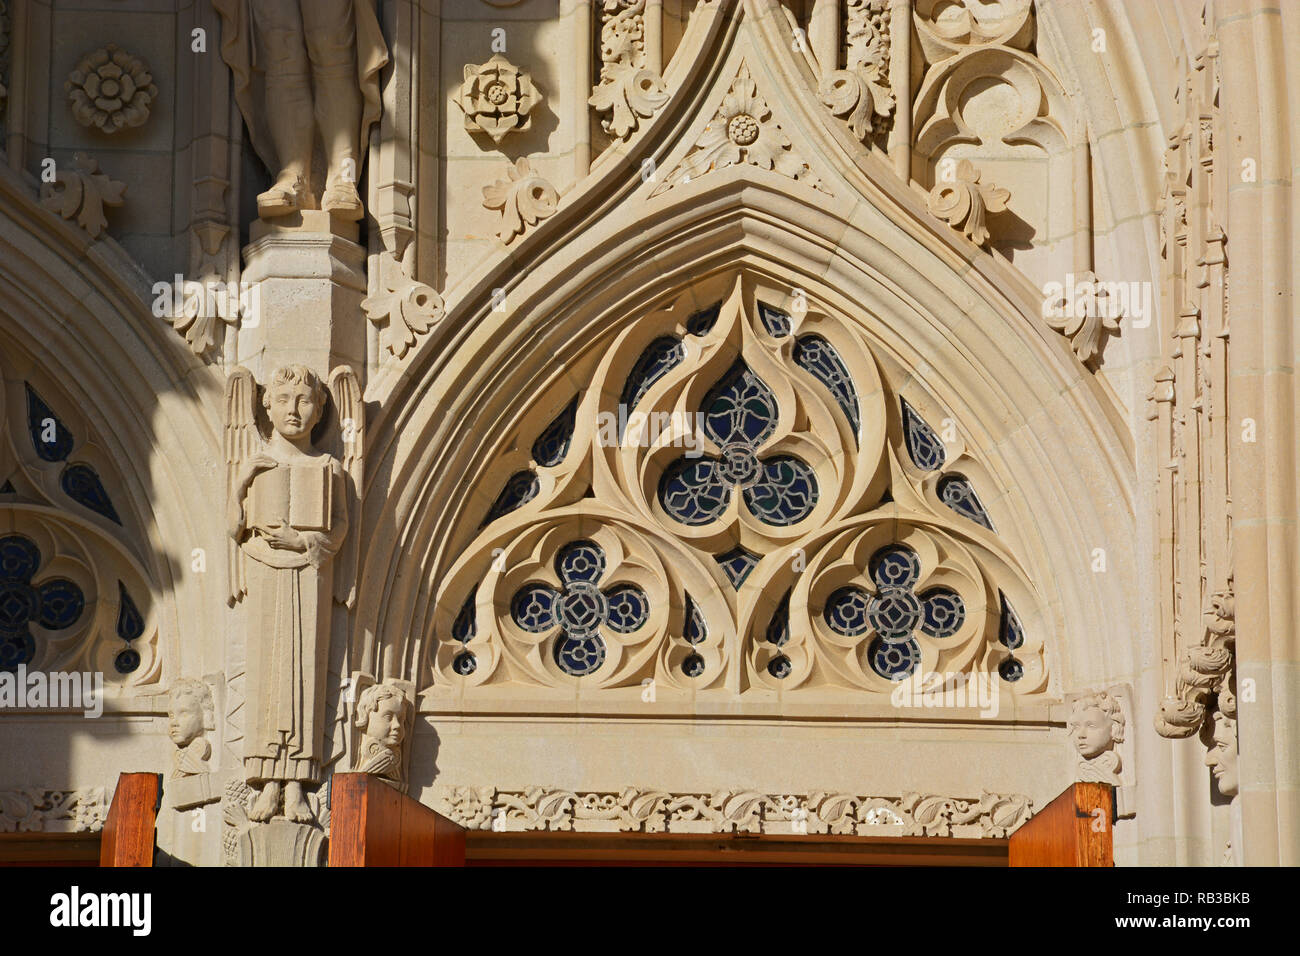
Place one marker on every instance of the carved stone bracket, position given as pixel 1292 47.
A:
pixel 733 811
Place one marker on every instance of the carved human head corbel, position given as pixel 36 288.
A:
pixel 294 400
pixel 384 716
pixel 1096 728
pixel 190 715
pixel 1222 756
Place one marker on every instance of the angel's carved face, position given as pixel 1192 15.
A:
pixel 293 409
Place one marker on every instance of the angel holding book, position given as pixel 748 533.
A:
pixel 288 520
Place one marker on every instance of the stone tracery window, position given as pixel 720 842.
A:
pixel 748 525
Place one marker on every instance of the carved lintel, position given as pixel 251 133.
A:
pixel 733 811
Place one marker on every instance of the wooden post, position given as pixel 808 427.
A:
pixel 372 824
pixel 1075 829
pixel 129 835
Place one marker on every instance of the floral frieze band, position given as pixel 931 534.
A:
pixel 634 810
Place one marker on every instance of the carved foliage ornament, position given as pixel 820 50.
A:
pixel 738 534
pixel 743 130
pixel 111 89
pixel 524 197
pixel 628 91
pixel 404 307
pixel 964 202
pixel 860 92
pixel 497 98
pixel 33 810
pixel 734 811
pixel 83 191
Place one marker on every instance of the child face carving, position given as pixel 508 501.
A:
pixel 385 722
pixel 293 410
pixel 1091 732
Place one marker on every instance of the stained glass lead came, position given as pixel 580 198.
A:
pixel 702 322
pixel 658 359
pixel 774 320
pixel 521 488
pixel 1010 631
pixel 463 630
pixel 820 359
pixel 737 565
pixel 553 443
pixel 50 437
pixel 923 445
pixel 81 483
pixel 959 495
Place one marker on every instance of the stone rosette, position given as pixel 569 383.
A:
pixel 111 89
pixel 497 97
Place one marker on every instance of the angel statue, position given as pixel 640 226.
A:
pixel 303 66
pixel 288 518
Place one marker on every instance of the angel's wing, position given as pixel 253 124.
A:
pixel 242 442
pixel 348 442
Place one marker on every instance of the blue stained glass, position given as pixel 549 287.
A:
pixel 19 558
pixel 943 612
pixel 130 622
pixel 895 566
pixel 553 443
pixel 126 661
pixel 693 666
pixel 1011 670
pixel 820 359
pixel 81 483
pixel 1010 631
pixel 533 608
pixel 778 629
pixel 959 495
pixel 580 561
pixel 61 604
pixel 780 667
pixel 629 609
pixel 737 564
pixel 846 611
pixel 740 408
pixel 15 649
pixel 692 491
pixel 579 656
pixel 696 629
pixel 521 488
pixel 465 626
pixel 56 604
pixel 774 320
pixel 894 614
pixel 923 444
pixel 786 493
pixel 51 438
pixel 701 322
pixel 658 359
pixel 463 629
pixel 894 661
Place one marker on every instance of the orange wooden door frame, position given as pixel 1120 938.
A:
pixel 1075 829
pixel 129 830
pixel 373 824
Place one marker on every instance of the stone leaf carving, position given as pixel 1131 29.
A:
pixel 964 202
pixel 33 810
pixel 405 308
pixel 111 89
pixel 1085 316
pixel 742 131
pixel 497 98
pixel 635 810
pixel 198 310
pixel 524 198
pixel 1204 670
pixel 628 91
pixel 83 191
pixel 860 93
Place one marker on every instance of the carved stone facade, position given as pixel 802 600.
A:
pixel 684 416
